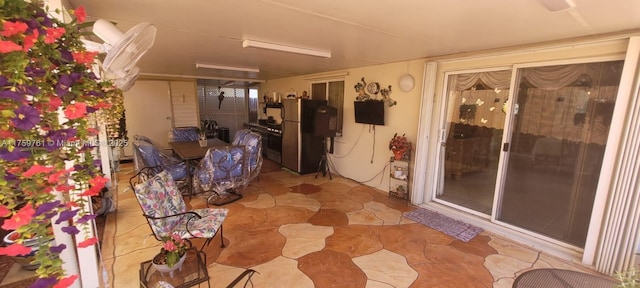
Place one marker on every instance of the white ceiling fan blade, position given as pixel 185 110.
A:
pixel 127 48
pixel 126 82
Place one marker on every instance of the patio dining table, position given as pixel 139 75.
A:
pixel 191 152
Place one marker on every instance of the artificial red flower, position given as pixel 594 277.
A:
pixel 6 134
pixel 59 177
pixel 22 217
pixel 76 110
pixel 64 188
pixel 98 181
pixel 30 40
pixel 80 14
pixel 15 249
pixel 53 34
pixel 11 28
pixel 102 105
pixel 8 46
pixel 88 242
pixel 36 169
pixel 4 211
pixel 92 191
pixel 66 282
pixel 84 57
pixel 54 102
pixel 92 131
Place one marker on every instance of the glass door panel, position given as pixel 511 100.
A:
pixel 556 146
pixel 471 140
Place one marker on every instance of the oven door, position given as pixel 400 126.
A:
pixel 274 147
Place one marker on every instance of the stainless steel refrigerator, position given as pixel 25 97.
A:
pixel 302 150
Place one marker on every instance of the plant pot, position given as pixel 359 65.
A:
pixel 25 261
pixel 164 268
pixel 203 142
pixel 399 154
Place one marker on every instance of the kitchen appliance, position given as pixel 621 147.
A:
pixel 303 149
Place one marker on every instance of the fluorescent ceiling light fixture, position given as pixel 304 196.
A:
pixel 232 68
pixel 285 48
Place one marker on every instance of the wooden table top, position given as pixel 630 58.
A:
pixel 191 150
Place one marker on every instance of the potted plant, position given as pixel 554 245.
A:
pixel 398 145
pixel 45 73
pixel 172 254
pixel 203 138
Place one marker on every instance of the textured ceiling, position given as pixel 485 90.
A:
pixel 358 33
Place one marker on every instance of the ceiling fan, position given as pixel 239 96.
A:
pixel 123 50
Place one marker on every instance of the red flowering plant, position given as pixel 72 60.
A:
pixel 173 248
pixel 398 145
pixel 46 162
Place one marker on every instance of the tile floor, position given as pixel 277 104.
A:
pixel 298 231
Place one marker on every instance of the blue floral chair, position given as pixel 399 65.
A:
pixel 253 143
pixel 183 134
pixel 150 155
pixel 239 136
pixel 164 208
pixel 221 172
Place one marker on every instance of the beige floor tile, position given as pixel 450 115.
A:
pixel 303 239
pixel 387 267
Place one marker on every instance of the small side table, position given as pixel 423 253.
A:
pixel 194 271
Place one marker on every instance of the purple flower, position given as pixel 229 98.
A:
pixel 66 56
pixel 14 155
pixel 62 135
pixel 66 215
pixel 64 83
pixel 3 81
pixel 8 94
pixel 86 218
pixel 71 230
pixel 44 282
pixel 46 207
pixel 57 249
pixel 35 71
pixel 28 89
pixel 26 117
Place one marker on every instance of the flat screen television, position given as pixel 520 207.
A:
pixel 369 112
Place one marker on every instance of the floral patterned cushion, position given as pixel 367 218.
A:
pixel 159 197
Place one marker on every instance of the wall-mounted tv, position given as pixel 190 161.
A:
pixel 369 112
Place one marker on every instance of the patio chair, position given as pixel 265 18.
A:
pixel 187 133
pixel 239 136
pixel 253 144
pixel 166 212
pixel 221 172
pixel 157 159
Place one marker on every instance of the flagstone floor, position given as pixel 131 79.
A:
pixel 298 231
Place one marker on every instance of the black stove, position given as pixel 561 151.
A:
pixel 274 128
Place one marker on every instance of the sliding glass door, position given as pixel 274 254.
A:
pixel 556 145
pixel 552 147
pixel 471 137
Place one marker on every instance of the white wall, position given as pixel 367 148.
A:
pixel 359 145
